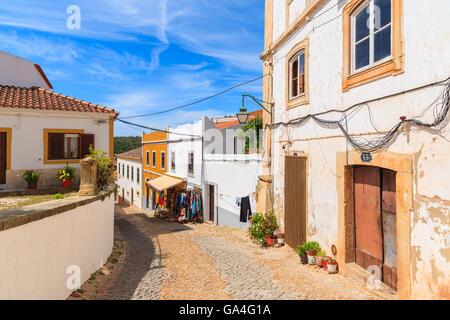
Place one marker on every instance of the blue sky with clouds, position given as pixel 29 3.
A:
pixel 142 56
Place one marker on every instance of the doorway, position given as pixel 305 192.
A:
pixel 376 221
pixel 147 202
pixel 3 157
pixel 132 197
pixel 295 201
pixel 212 206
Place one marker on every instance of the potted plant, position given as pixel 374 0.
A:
pixel 312 248
pixel 325 260
pixel 320 257
pixel 302 253
pixel 66 175
pixel 270 225
pixel 280 238
pixel 332 266
pixel 32 178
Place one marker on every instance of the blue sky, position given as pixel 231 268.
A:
pixel 143 56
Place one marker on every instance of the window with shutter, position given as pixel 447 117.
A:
pixel 87 140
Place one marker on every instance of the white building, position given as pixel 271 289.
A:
pixel 129 177
pixel 43 130
pixel 380 62
pixel 229 174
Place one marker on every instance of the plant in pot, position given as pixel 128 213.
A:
pixel 270 225
pixel 32 178
pixel 320 255
pixel 257 230
pixel 302 253
pixel 332 266
pixel 312 248
pixel 325 260
pixel 280 239
pixel 66 175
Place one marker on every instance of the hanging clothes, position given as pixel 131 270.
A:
pixel 246 210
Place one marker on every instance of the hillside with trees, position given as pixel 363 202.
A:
pixel 124 144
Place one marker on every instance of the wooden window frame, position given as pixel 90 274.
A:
pixel 8 132
pixel 46 132
pixel 384 68
pixel 302 99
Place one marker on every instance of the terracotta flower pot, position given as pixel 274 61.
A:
pixel 325 261
pixel 319 261
pixel 269 241
pixel 332 267
pixel 67 183
pixel 311 257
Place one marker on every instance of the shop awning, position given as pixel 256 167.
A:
pixel 165 182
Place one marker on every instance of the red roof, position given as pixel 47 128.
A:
pixel 132 154
pixel 252 115
pixel 44 99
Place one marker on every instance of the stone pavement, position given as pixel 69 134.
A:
pixel 169 261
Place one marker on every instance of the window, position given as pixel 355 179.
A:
pixel 132 173
pixel 191 163
pixel 172 161
pixel 154 159
pixel 67 147
pixel 118 167
pixel 138 175
pixel 371 33
pixel 128 172
pixel 148 158
pixel 163 160
pixel 372 41
pixel 123 169
pixel 297 88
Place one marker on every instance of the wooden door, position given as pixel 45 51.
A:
pixel 148 197
pixel 3 157
pixel 295 201
pixel 212 206
pixel 375 221
pixel 132 196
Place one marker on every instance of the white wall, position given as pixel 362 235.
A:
pixel 182 145
pixel 28 133
pixel 18 72
pixel 35 256
pixel 426 31
pixel 233 176
pixel 130 185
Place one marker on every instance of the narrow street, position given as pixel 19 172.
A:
pixel 170 261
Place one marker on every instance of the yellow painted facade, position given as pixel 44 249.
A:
pixel 153 142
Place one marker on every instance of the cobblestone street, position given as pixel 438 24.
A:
pixel 169 261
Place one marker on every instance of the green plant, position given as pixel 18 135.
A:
pixel 263 226
pixel 312 246
pixel 321 253
pixel 300 249
pixel 254 143
pixel 31 176
pixel 105 168
pixel 68 173
pixel 270 223
pixel 58 196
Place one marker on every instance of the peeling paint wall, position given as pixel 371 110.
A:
pixel 426 53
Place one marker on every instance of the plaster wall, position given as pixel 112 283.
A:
pixel 127 184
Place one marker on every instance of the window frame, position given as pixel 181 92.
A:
pixel 163 160
pixel 46 133
pixel 172 161
pixel 138 175
pixel 296 51
pixel 387 66
pixel 153 159
pixel 148 158
pixel 191 173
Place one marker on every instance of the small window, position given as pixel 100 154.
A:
pixel 138 175
pixel 154 159
pixel 371 34
pixel 148 158
pixel 191 163
pixel 118 168
pixel 132 173
pixel 172 161
pixel 68 146
pixel 163 160
pixel 297 75
pixel 123 169
pixel 128 172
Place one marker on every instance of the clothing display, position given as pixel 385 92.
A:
pixel 246 210
pixel 187 205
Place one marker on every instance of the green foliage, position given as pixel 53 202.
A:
pixel 262 226
pixel 254 124
pixel 31 176
pixel 68 173
pixel 312 246
pixel 58 196
pixel 301 249
pixel 124 144
pixel 321 253
pixel 105 168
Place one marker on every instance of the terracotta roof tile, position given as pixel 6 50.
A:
pixel 132 154
pixel 44 99
pixel 252 115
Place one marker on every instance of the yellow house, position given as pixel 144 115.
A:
pixel 154 163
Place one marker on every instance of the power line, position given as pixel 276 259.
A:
pixel 157 130
pixel 197 101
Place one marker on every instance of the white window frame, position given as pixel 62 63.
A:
pixel 148 159
pixel 296 57
pixel 163 163
pixel 371 37
pixel 138 176
pixel 154 159
pixel 193 163
pixel 173 165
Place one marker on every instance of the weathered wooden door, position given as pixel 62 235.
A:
pixel 132 197
pixel 3 157
pixel 375 221
pixel 295 201
pixel 212 205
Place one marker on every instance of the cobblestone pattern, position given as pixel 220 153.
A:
pixel 248 279
pixel 142 273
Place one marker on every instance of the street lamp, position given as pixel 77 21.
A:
pixel 243 114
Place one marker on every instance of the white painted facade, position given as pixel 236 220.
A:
pixel 129 181
pixel 232 176
pixel 27 140
pixel 36 256
pixel 182 141
pixel 426 34
pixel 18 72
